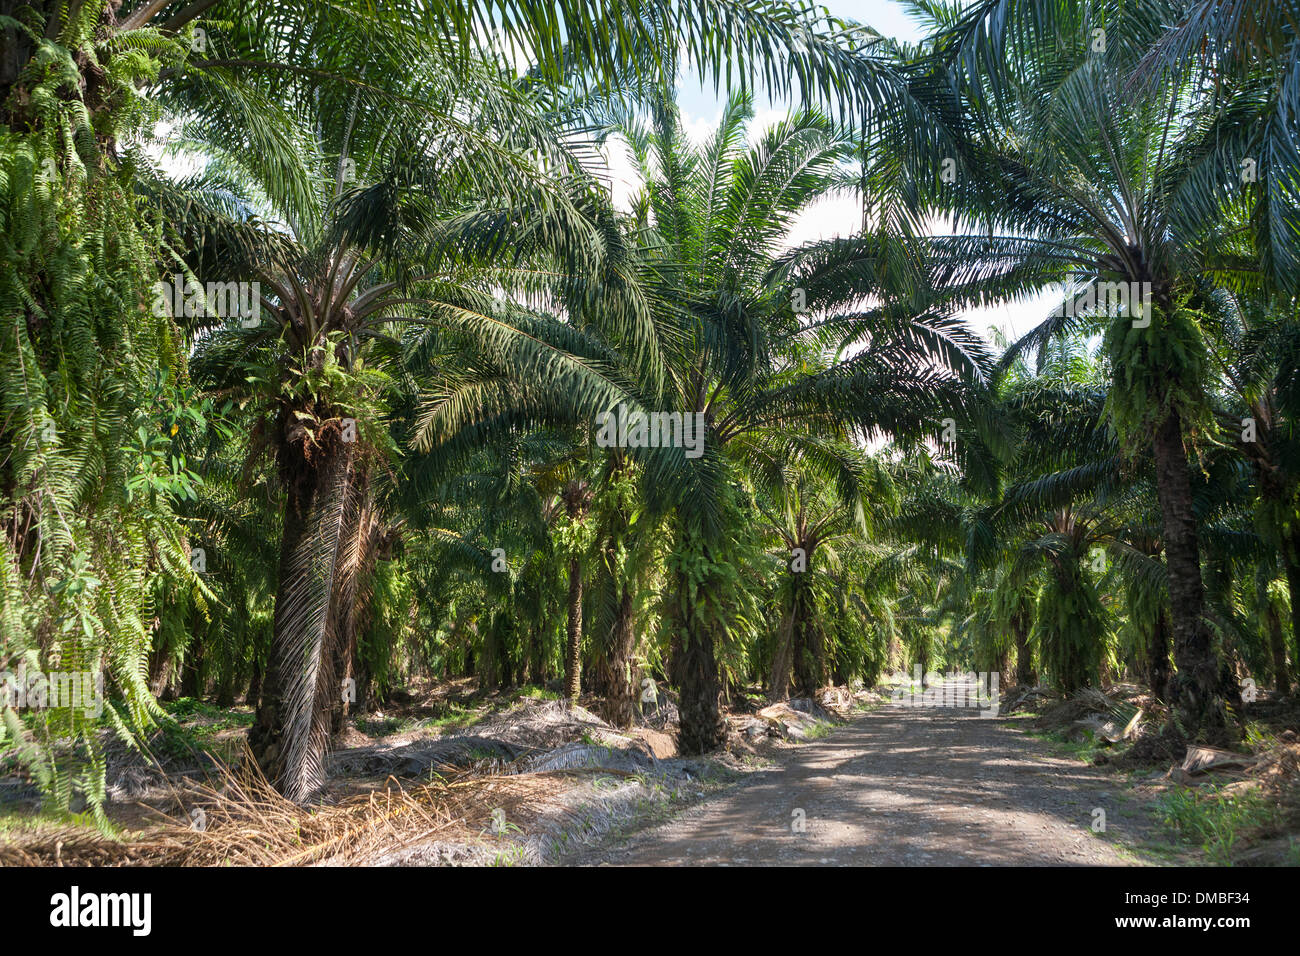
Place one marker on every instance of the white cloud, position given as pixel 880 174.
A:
pixel 625 181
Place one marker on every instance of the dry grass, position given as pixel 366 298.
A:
pixel 247 823
pixel 69 846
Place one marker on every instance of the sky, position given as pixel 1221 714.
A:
pixel 701 108
pixel 886 17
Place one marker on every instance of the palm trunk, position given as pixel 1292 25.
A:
pixel 162 678
pixel 254 696
pixel 573 647
pixel 575 506
pixel 1025 674
pixel 1277 645
pixel 1158 671
pixel 536 672
pixel 695 663
pixel 290 733
pixel 615 681
pixel 809 658
pixel 895 654
pixel 702 726
pixel 1293 586
pixel 487 660
pixel 1196 689
pixel 343 704
pixel 779 682
pixel 505 665
pixel 1276 494
pixel 1004 670
pixel 351 598
pixel 226 690
pixel 921 658
pixel 192 682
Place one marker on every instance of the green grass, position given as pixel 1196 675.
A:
pixel 13 819
pixel 818 730
pixel 1215 819
pixel 190 724
pixel 16 821
pixel 533 692
pixel 195 725
pixel 453 717
pixel 512 856
pixel 189 708
pixel 1083 750
pixel 1151 852
pixel 1258 738
pixel 385 726
pixel 450 717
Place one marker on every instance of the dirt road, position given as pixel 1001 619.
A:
pixel 905 786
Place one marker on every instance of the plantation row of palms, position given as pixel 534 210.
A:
pixel 389 469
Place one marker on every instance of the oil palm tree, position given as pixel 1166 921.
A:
pixel 782 355
pixel 1093 181
pixel 343 329
pixel 1252 348
pixel 811 517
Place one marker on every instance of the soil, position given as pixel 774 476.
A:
pixel 907 787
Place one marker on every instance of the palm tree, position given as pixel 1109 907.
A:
pixel 497 523
pixel 809 514
pixel 1252 348
pixel 772 383
pixel 327 357
pixel 1094 182
pixel 626 539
